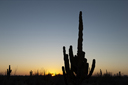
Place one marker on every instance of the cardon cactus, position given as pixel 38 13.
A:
pixel 9 71
pixel 76 70
pixel 100 72
pixel 31 73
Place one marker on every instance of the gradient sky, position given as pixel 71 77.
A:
pixel 33 33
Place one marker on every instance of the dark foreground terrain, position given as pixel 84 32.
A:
pixel 59 80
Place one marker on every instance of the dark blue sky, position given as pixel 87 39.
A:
pixel 32 33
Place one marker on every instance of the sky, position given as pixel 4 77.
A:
pixel 33 33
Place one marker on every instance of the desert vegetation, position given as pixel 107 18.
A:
pixel 48 79
pixel 75 71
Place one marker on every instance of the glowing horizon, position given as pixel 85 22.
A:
pixel 32 34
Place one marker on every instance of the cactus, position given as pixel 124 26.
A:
pixel 119 73
pixel 77 68
pixel 100 72
pixel 106 71
pixel 9 71
pixel 31 73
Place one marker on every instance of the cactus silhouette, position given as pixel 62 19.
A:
pixel 9 72
pixel 100 72
pixel 76 70
pixel 119 73
pixel 31 73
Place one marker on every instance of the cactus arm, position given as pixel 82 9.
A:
pixel 71 54
pixel 66 61
pixel 85 69
pixel 65 79
pixel 72 59
pixel 92 69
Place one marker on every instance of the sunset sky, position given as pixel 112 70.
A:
pixel 33 33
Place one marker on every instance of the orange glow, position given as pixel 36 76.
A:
pixel 53 74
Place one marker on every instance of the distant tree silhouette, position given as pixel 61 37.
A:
pixel 77 68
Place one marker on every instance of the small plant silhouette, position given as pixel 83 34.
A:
pixel 77 68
